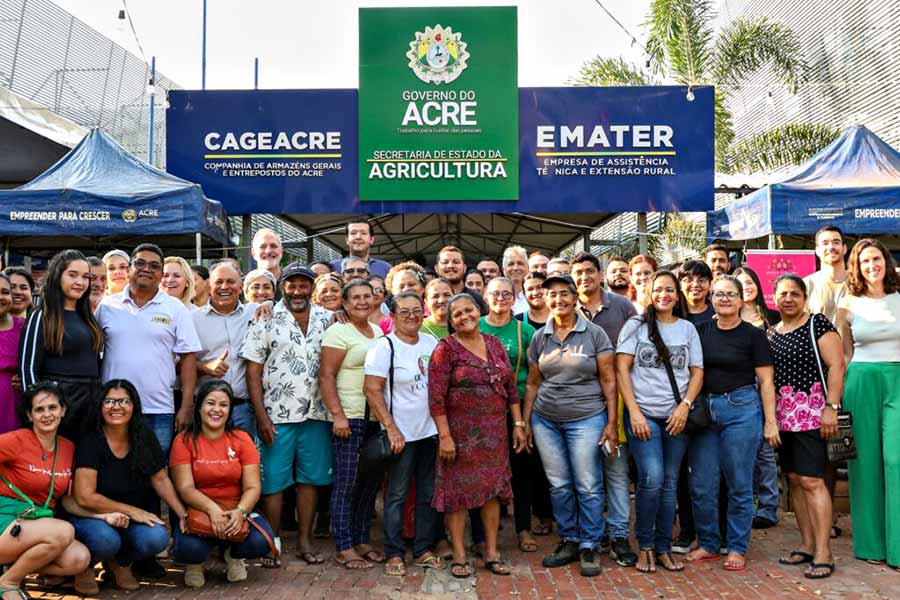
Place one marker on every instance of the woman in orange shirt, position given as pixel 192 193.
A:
pixel 216 470
pixel 28 457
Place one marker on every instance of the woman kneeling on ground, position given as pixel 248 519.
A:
pixel 120 471
pixel 216 471
pixel 36 545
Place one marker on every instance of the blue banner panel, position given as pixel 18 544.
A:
pixel 267 151
pixel 581 150
pixel 615 149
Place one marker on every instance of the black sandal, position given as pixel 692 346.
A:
pixel 651 561
pixel 805 557
pixel 671 566
pixel 465 565
pixel 496 567
pixel 813 566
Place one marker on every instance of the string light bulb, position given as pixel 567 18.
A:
pixel 121 20
pixel 690 93
pixel 151 87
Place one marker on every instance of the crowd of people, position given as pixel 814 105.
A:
pixel 147 404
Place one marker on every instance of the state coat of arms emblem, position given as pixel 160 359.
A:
pixel 437 55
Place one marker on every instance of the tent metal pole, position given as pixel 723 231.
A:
pixel 199 242
pixel 643 247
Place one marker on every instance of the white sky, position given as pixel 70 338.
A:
pixel 313 43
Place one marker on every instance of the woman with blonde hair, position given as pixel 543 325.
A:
pixel 178 280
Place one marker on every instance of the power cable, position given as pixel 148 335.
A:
pixel 134 31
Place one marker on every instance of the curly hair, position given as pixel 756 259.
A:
pixel 856 283
pixel 408 265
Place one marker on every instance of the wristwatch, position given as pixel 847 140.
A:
pixel 519 424
pixel 690 403
pixel 835 406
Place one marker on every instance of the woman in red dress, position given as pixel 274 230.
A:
pixel 470 387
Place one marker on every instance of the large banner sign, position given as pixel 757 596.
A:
pixel 772 264
pixel 616 149
pixel 438 98
pixel 267 151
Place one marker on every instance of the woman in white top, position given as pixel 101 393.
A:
pixel 396 388
pixel 868 320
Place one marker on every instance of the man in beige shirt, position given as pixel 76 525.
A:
pixel 828 285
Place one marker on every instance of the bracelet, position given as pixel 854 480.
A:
pixel 690 403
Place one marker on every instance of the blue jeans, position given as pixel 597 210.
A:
pixel 765 483
pixel 125 545
pixel 658 464
pixel 618 499
pixel 163 426
pixel 726 449
pixel 574 466
pixel 194 550
pixel 243 417
pixel 416 462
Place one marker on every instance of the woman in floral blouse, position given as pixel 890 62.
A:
pixel 809 381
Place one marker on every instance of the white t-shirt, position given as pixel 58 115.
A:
pixel 410 401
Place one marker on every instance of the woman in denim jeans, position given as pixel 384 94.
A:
pixel 737 371
pixel 655 417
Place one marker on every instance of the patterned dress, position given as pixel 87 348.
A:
pixel 474 395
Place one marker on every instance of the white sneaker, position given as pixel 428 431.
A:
pixel 235 568
pixel 193 576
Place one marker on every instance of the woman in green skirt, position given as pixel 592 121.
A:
pixel 869 322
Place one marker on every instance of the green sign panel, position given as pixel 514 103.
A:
pixel 438 104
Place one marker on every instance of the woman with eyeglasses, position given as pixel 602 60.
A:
pixel 33 540
pixel 120 471
pixel 10 380
pixel 529 483
pixel 470 389
pixel 738 386
pixel 62 341
pixel 396 388
pixel 117 264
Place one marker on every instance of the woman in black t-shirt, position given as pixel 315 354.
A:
pixel 119 470
pixel 735 356
pixel 62 341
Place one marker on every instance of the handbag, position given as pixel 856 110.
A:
pixel 698 417
pixel 198 523
pixel 376 454
pixel 843 446
pixel 32 511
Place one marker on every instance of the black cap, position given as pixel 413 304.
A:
pixel 296 269
pixel 559 279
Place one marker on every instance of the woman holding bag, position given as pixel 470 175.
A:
pixel 659 369
pixel 44 544
pixel 396 388
pixel 216 472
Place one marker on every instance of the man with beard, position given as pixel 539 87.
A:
pixel 716 258
pixel 489 268
pixel 617 276
pixel 609 311
pixel 451 265
pixel 359 241
pixel 283 354
pixel 221 325
pixel 515 267
pixel 267 251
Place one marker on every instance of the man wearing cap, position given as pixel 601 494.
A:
pixel 359 243
pixel 221 325
pixel 609 311
pixel 283 356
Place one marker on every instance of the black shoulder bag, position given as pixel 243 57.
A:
pixel 699 418
pixel 842 447
pixel 375 454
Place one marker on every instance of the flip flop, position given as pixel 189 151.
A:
pixel 347 564
pixel 542 529
pixel 709 558
pixel 731 565
pixel 23 595
pixel 813 566
pixel 651 564
pixel 497 567
pixel 395 569
pixel 310 558
pixel 526 545
pixel 466 566
pixel 805 557
pixel 429 562
pixel 373 556
pixel 671 562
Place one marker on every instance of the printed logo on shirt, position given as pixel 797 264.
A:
pixel 43 471
pixel 423 364
pixel 161 319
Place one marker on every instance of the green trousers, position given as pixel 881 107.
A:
pixel 872 396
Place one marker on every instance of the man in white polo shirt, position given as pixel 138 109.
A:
pixel 144 330
pixel 221 326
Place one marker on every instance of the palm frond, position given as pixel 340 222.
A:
pixel 680 38
pixel 724 132
pixel 780 147
pixel 609 72
pixel 745 46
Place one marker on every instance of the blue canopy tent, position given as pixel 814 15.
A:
pixel 100 190
pixel 853 183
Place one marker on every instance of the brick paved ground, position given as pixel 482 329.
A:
pixel 764 578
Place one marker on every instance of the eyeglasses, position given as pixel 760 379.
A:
pixel 414 313
pixel 720 295
pixel 141 264
pixel 377 291
pixel 501 295
pixel 120 402
pixel 695 279
pixel 356 270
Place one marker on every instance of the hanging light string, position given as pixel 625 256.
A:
pixel 134 31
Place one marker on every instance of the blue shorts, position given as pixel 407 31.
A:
pixel 301 453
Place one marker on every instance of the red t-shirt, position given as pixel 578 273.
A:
pixel 217 465
pixel 22 463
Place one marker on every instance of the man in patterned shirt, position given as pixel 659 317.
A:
pixel 282 355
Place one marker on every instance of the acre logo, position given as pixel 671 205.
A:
pixel 437 55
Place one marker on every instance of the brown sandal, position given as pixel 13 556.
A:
pixel 668 562
pixel 526 542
